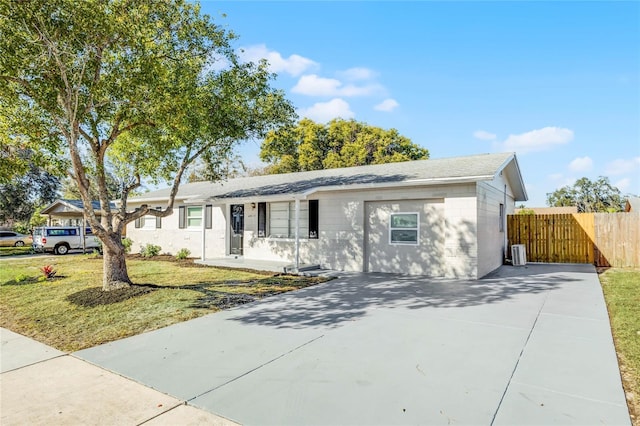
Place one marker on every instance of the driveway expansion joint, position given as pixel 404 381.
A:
pixel 163 413
pixel 256 368
pixel 515 367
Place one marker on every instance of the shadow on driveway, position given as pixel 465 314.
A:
pixel 352 295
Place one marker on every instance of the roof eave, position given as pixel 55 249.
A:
pixel 304 194
pixel 514 176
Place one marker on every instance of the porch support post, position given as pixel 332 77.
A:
pixel 297 245
pixel 203 221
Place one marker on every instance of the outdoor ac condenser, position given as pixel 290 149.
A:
pixel 518 255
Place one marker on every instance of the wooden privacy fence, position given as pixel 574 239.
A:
pixel 603 239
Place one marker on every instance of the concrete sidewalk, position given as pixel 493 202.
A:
pixel 40 385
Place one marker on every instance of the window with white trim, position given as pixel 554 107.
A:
pixel 404 228
pixel 194 217
pixel 149 222
pixel 282 220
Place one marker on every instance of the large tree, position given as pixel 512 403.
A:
pixel 139 88
pixel 588 196
pixel 339 143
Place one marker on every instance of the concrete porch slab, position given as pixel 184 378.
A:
pixel 256 264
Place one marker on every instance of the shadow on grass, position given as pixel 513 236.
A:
pixel 211 296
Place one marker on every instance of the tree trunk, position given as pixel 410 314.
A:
pixel 115 274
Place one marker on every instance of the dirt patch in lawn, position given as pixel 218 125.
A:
pixel 95 296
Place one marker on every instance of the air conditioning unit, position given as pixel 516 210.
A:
pixel 518 255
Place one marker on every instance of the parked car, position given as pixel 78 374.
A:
pixel 61 239
pixel 14 239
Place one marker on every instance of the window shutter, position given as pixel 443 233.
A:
pixel 158 219
pixel 208 216
pixel 313 219
pixel 139 222
pixel 182 217
pixel 262 220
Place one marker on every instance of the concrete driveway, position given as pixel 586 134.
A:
pixel 528 345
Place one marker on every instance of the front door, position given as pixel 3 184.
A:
pixel 237 228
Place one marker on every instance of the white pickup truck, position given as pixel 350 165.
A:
pixel 61 239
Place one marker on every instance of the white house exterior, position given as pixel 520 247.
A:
pixel 440 218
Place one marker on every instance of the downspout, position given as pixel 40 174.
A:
pixel 504 225
pixel 297 244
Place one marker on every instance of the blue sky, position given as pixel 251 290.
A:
pixel 556 82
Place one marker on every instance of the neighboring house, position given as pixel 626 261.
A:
pixel 68 212
pixel 440 218
pixel 549 210
pixel 632 204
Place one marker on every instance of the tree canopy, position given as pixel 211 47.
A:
pixel 339 143
pixel 25 193
pixel 138 88
pixel 588 196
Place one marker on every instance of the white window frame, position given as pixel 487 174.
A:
pixel 149 222
pixel 189 216
pixel 291 220
pixel 396 228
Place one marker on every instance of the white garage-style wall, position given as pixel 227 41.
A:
pixel 354 238
pixel 387 250
pixel 492 226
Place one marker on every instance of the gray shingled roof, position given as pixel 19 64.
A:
pixel 76 204
pixel 469 168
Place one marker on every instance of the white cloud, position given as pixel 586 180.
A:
pixel 560 180
pixel 538 140
pixel 387 105
pixel 356 74
pixel 556 176
pixel 293 65
pixel 484 135
pixel 581 164
pixel 623 184
pixel 323 112
pixel 313 85
pixel 622 166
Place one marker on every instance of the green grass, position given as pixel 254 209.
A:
pixel 70 313
pixel 15 251
pixel 621 289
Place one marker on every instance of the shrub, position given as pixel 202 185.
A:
pixel 48 272
pixel 150 250
pixel 183 254
pixel 127 243
pixel 21 277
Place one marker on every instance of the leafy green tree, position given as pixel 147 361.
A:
pixel 588 196
pixel 142 88
pixel 219 168
pixel 340 143
pixel 25 193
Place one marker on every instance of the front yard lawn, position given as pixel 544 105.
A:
pixel 621 289
pixel 70 312
pixel 15 251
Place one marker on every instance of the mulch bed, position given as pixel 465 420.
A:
pixel 95 296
